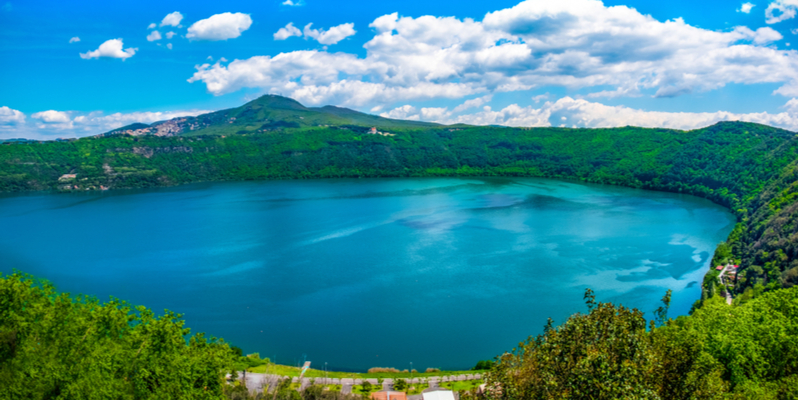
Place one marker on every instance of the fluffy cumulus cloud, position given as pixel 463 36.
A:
pixel 569 112
pixel 10 118
pixel 220 27
pixel 51 123
pixel 746 7
pixel 761 35
pixel 292 3
pixel 171 19
pixel 781 10
pixel 153 36
pixel 286 32
pixel 111 49
pixel 577 44
pixel 74 39
pixel 170 35
pixel 52 119
pixel 331 36
pixel 572 43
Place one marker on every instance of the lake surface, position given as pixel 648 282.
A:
pixel 366 273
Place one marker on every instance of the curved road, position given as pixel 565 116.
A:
pixel 256 382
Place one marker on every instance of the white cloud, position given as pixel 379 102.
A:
pixel 293 3
pixel 632 91
pixel 766 35
pixel 153 36
pixel 286 32
pixel 407 112
pixel 567 43
pixel 220 27
pixel 76 124
pixel 74 39
pixel 52 116
pixel 746 7
pixel 10 118
pixel 477 102
pixel 112 49
pixel 169 46
pixel 172 19
pixel 170 35
pixel 331 36
pixel 582 113
pixel 152 26
pixel 538 98
pixel 52 119
pixel 786 9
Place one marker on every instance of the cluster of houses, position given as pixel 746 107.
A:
pixel 374 131
pixel 427 394
pixel 728 273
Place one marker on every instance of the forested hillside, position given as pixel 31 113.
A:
pixel 750 168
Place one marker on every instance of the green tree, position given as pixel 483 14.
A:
pixel 56 346
pixel 366 387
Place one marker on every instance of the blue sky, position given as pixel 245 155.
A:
pixel 80 68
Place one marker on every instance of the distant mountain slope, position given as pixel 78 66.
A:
pixel 267 113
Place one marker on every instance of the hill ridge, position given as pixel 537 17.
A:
pixel 269 112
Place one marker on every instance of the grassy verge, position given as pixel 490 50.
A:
pixel 461 385
pixel 417 388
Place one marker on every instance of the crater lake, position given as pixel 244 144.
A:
pixel 360 273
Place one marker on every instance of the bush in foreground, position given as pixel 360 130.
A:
pixel 53 346
pixel 738 352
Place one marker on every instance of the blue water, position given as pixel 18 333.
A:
pixel 365 273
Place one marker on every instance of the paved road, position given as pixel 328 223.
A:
pixel 257 382
pixel 728 297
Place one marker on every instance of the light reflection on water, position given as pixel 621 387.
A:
pixel 363 273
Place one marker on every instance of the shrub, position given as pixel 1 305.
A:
pixel 377 370
pixel 400 384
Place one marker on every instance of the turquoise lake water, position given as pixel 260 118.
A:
pixel 367 273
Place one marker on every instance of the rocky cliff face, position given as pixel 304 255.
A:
pixel 148 152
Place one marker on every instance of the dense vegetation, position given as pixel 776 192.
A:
pixel 53 346
pixel 746 351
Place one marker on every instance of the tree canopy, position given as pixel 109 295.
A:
pixel 744 351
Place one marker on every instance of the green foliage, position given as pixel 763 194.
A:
pixel 720 351
pixel 400 384
pixel 603 354
pixel 55 346
pixel 366 387
pixel 482 365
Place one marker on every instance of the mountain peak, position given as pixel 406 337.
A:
pixel 276 102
